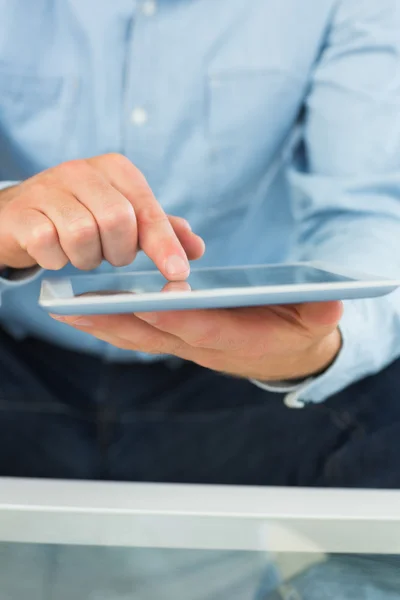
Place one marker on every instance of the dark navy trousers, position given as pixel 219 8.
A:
pixel 70 415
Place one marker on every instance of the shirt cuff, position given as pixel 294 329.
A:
pixel 10 278
pixel 280 387
pixel 339 375
pixel 293 392
pixel 355 360
pixel 6 184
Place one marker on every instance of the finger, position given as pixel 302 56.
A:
pixel 155 233
pixel 192 244
pixel 37 235
pixel 212 329
pixel 249 330
pixel 132 332
pixel 177 286
pixel 112 212
pixel 76 228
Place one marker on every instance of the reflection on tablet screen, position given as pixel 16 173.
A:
pixel 203 279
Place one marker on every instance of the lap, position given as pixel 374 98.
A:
pixel 67 415
pixel 227 431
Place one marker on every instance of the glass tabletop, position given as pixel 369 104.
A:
pixel 95 541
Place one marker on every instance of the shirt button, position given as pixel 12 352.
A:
pixel 149 8
pixel 139 116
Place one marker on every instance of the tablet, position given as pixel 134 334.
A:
pixel 228 287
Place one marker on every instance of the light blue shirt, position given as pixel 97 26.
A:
pixel 206 98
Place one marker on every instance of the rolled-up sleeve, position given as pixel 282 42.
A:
pixel 345 180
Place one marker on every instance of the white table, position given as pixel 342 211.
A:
pixel 166 541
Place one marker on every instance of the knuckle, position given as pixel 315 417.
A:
pixel 43 235
pixel 116 218
pixel 151 214
pixel 82 232
pixel 73 167
pixel 119 160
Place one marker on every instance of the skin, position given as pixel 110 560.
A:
pixel 86 211
pixel 268 343
pixel 102 208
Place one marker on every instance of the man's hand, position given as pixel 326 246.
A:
pixel 86 211
pixel 268 343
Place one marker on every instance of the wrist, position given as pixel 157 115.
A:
pixel 313 362
pixel 7 194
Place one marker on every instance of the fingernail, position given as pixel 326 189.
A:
pixel 187 225
pixel 176 265
pixel 149 317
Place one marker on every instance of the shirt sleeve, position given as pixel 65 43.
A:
pixel 345 181
pixel 6 184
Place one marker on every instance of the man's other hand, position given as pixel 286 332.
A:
pixel 267 343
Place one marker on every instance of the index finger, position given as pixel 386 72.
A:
pixel 155 233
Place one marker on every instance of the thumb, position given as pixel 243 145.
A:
pixel 320 315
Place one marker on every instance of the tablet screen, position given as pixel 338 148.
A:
pixel 205 279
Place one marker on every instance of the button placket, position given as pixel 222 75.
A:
pixel 141 129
